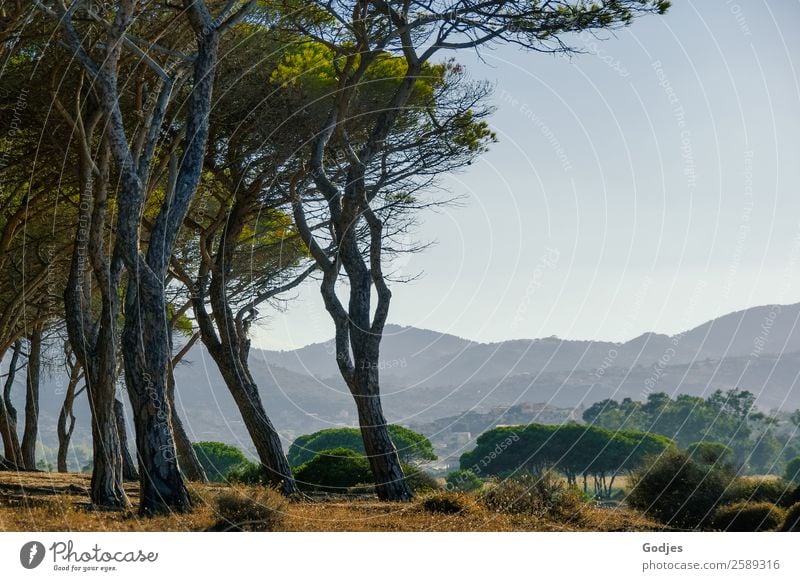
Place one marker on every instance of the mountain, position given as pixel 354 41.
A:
pixel 428 375
pixel 426 357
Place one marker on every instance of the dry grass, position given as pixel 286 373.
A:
pixel 60 502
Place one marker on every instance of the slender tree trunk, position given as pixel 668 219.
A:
pixel 187 458
pixel 231 360
pixel 129 471
pixel 31 431
pixel 364 382
pixel 8 415
pixel 390 481
pixel 230 351
pixel 263 433
pixel 95 344
pixel 356 329
pixel 66 418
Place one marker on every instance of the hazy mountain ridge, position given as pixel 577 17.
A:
pixel 428 375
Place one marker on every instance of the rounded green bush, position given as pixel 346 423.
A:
pixel 419 480
pixel 248 473
pixel 710 452
pixel 335 470
pixel 743 517
pixel 463 480
pixel 759 489
pixel 412 447
pixel 792 470
pixel 219 459
pixel 791 522
pixel 677 490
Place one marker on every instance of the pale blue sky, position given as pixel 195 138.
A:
pixel 651 184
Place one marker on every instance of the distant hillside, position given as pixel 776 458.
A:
pixel 428 375
pixel 423 356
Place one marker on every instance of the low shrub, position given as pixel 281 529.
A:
pixel 742 517
pixel 463 480
pixel 252 509
pixel 419 480
pixel 219 459
pixel 545 494
pixel 248 473
pixel 710 452
pixel 791 522
pixel 448 502
pixel 334 470
pixel 677 490
pixel 792 470
pixel 759 489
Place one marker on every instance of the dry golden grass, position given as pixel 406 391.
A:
pixel 60 502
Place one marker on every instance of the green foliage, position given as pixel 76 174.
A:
pixel 728 417
pixel 412 447
pixel 710 452
pixel 746 516
pixel 449 502
pixel 792 470
pixel 791 522
pixel 537 495
pixel 572 449
pixel 219 459
pixel 463 480
pixel 755 489
pixel 335 470
pixel 677 490
pixel 260 509
pixel 248 473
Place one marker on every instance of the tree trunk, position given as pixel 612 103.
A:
pixel 129 471
pixel 364 380
pixel 95 343
pixel 390 482
pixel 31 431
pixel 8 415
pixel 145 348
pixel 229 346
pixel 145 338
pixel 230 352
pixel 66 418
pixel 187 458
pixel 263 433
pixel 106 486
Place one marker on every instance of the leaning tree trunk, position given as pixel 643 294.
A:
pixel 187 458
pixel 129 471
pixel 66 418
pixel 31 431
pixel 188 461
pixel 235 372
pixel 390 481
pixel 8 415
pixel 230 351
pixel 264 435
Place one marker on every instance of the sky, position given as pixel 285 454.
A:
pixel 649 184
